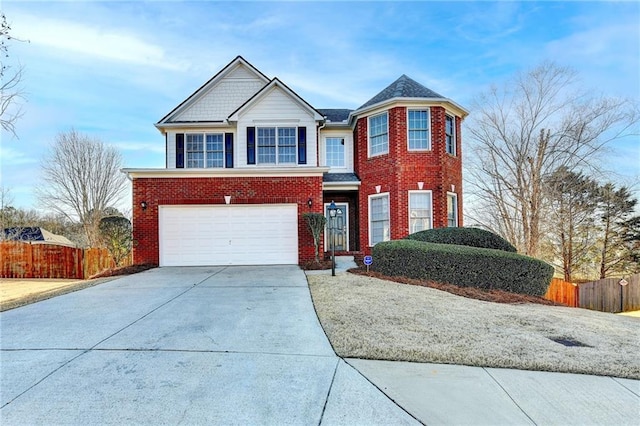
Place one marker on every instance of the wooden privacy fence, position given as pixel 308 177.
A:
pixel 563 292
pixel 606 295
pixel 25 260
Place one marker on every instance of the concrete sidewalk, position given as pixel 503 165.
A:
pixel 461 395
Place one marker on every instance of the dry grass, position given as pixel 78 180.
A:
pixel 366 317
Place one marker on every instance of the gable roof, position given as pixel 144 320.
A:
pixel 35 235
pixel 261 93
pixel 202 90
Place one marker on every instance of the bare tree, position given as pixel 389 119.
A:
pixel 522 132
pixel 81 178
pixel 11 94
pixel 315 222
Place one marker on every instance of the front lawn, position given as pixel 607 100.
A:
pixel 371 318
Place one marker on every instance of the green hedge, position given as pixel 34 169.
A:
pixel 463 266
pixel 473 237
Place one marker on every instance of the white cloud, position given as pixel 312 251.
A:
pixel 13 156
pixel 140 146
pixel 104 43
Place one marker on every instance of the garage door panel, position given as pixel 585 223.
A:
pixel 228 235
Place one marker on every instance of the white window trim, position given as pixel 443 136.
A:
pixel 428 148
pixel 372 197
pixel 422 191
pixel 277 162
pixel 457 212
pixel 386 113
pixel 344 152
pixel 204 149
pixel 453 136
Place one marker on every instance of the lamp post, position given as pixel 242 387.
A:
pixel 333 212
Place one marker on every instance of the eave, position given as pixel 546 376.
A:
pixel 246 172
pixel 444 102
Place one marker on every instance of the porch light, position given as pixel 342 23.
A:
pixel 310 202
pixel 143 205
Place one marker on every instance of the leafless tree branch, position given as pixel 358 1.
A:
pixel 522 132
pixel 81 179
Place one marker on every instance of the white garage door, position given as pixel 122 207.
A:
pixel 265 234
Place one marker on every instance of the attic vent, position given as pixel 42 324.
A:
pixel 567 341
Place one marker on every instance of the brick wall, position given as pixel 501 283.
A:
pixel 246 190
pixel 400 170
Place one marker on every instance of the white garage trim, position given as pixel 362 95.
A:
pixel 253 234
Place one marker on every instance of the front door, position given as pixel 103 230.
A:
pixel 337 226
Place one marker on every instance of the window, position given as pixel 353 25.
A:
pixel 266 145
pixel 334 152
pixel 276 150
pixel 203 150
pixel 215 150
pixel 452 210
pixel 418 125
pixel 378 134
pixel 195 151
pixel 378 219
pixel 419 211
pixel 450 134
pixel 287 145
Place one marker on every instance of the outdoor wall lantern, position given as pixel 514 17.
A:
pixel 143 204
pixel 333 212
pixel 310 202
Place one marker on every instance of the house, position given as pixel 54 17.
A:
pixel 35 235
pixel 246 157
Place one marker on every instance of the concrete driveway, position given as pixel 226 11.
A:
pixel 207 345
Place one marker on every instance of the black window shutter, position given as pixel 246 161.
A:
pixel 179 150
pixel 302 145
pixel 228 150
pixel 251 145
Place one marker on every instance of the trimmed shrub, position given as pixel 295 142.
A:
pixel 463 266
pixel 473 237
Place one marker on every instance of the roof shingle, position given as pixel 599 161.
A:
pixel 403 87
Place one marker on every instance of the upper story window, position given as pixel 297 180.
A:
pixel 419 211
pixel 276 145
pixel 204 150
pixel 418 126
pixel 452 210
pixel 334 152
pixel 378 134
pixel 450 134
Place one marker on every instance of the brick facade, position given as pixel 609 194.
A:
pixel 238 97
pixel 400 170
pixel 211 191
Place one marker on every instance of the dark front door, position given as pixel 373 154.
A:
pixel 338 227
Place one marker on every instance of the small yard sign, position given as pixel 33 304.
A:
pixel 368 260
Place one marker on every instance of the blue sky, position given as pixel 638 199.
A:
pixel 112 69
